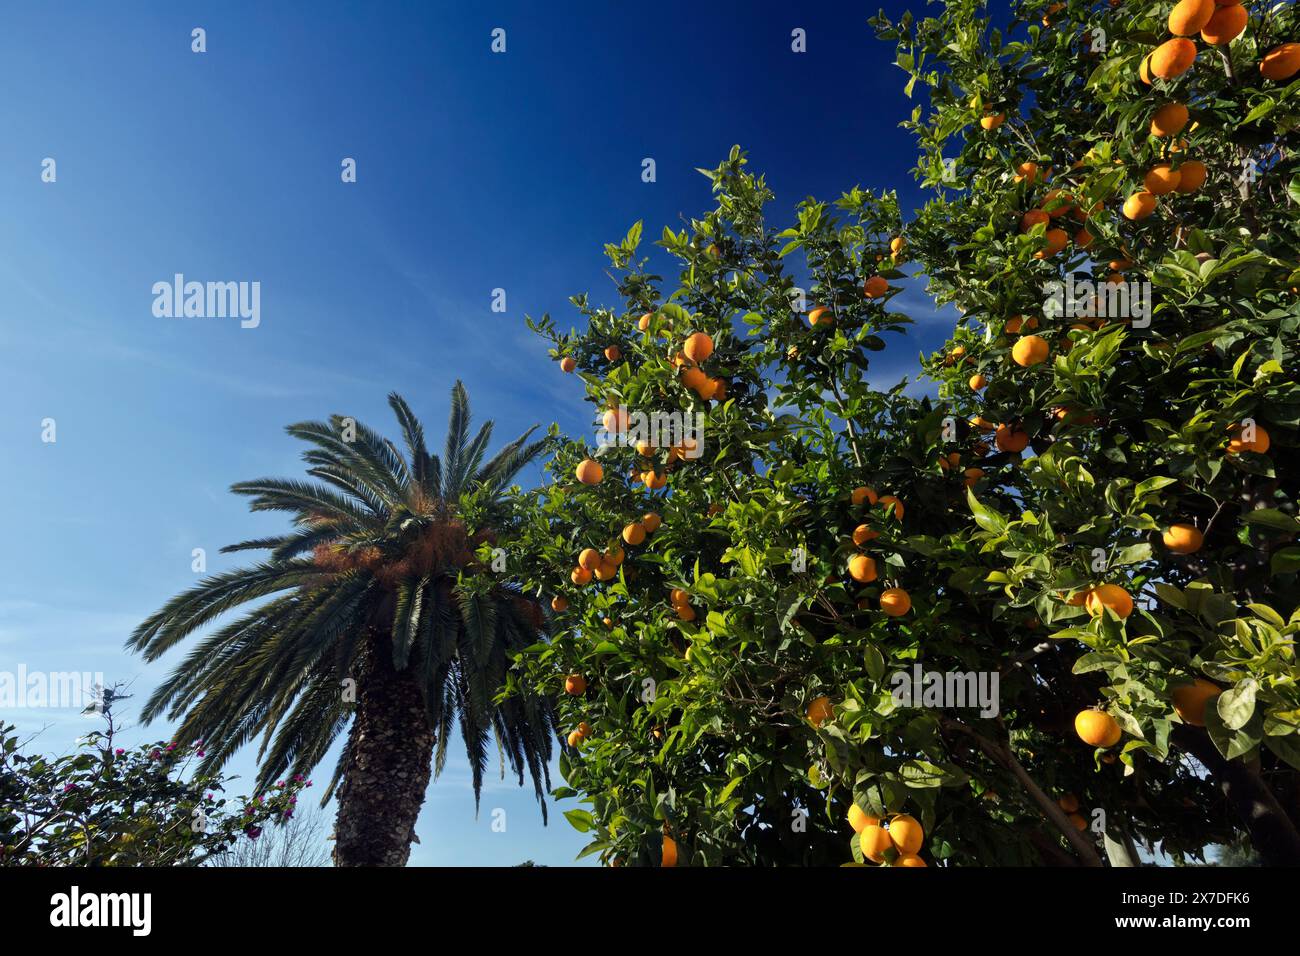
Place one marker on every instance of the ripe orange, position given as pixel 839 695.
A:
pixel 1080 823
pixel 993 120
pixel 634 533
pixel 575 738
pixel 1026 171
pixel 1183 539
pixel 643 323
pixel 1173 58
pixel 567 364
pixel 615 420
pixel 1140 205
pixel 1190 700
pixel 684 612
pixel 906 834
pixel 616 555
pixel 1225 26
pixel 875 287
pixel 895 602
pixel 651 522
pixel 860 820
pixel 589 472
pixel 559 604
pixel 669 853
pixel 862 568
pixel 819 711
pixel 606 570
pixel 820 314
pixel 1161 178
pixel 694 378
pixel 1188 16
pixel 1236 445
pixel 1191 176
pixel 864 533
pixel 1010 438
pixel 575 684
pixel 1097 728
pixel 584 728
pixel 580 576
pixel 613 353
pixel 1109 596
pixel 1056 241
pixel 653 480
pixel 698 347
pixel 1069 803
pixel 589 558
pixel 1033 218
pixel 977 382
pixel 874 843
pixel 861 494
pixel 1281 62
pixel 718 386
pixel 1030 350
pixel 1018 323
pixel 1169 120
pixel 910 860
pixel 679 596
pixel 896 245
pixel 1083 238
pixel 971 476
pixel 895 506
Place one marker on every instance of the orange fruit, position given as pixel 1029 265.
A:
pixel 819 711
pixel 861 494
pixel 589 472
pixel 1056 241
pixel 616 555
pixel 653 480
pixel 1018 323
pixel 698 347
pixel 1188 16
pixel 864 533
pixel 613 353
pixel 607 569
pixel 1225 26
pixel 1083 238
pixel 1009 438
pixel 862 568
pixel 679 596
pixel 1169 120
pixel 567 364
pixel 615 420
pixel 895 602
pixel 1260 444
pixel 1026 171
pixel 1080 823
pixel 1110 596
pixel 971 476
pixel 1174 57
pixel 643 323
pixel 650 522
pixel 1033 218
pixel 875 287
pixel 906 834
pixel 1191 176
pixel 559 604
pixel 589 559
pixel 1190 700
pixel 575 738
pixel 1069 803
pixel 575 684
pixel 634 533
pixel 668 856
pixel 584 728
pixel 820 314
pixel 976 382
pixel 909 860
pixel 1097 728
pixel 874 843
pixel 693 378
pixel 1183 539
pixel 1030 350
pixel 860 820
pixel 1140 205
pixel 580 576
pixel 1162 178
pixel 993 120
pixel 684 612
pixel 1281 62
pixel 719 389
pixel 896 506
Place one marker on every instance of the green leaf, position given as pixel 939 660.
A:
pixel 1237 704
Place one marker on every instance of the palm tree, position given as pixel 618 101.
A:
pixel 380 613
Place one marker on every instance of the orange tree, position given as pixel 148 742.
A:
pixel 1094 521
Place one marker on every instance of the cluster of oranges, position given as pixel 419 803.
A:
pixel 695 352
pixel 896 841
pixel 876 287
pixel 862 567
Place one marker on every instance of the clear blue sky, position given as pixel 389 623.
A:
pixel 476 171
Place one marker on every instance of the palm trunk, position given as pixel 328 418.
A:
pixel 390 756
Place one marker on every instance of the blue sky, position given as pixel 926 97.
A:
pixel 475 171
